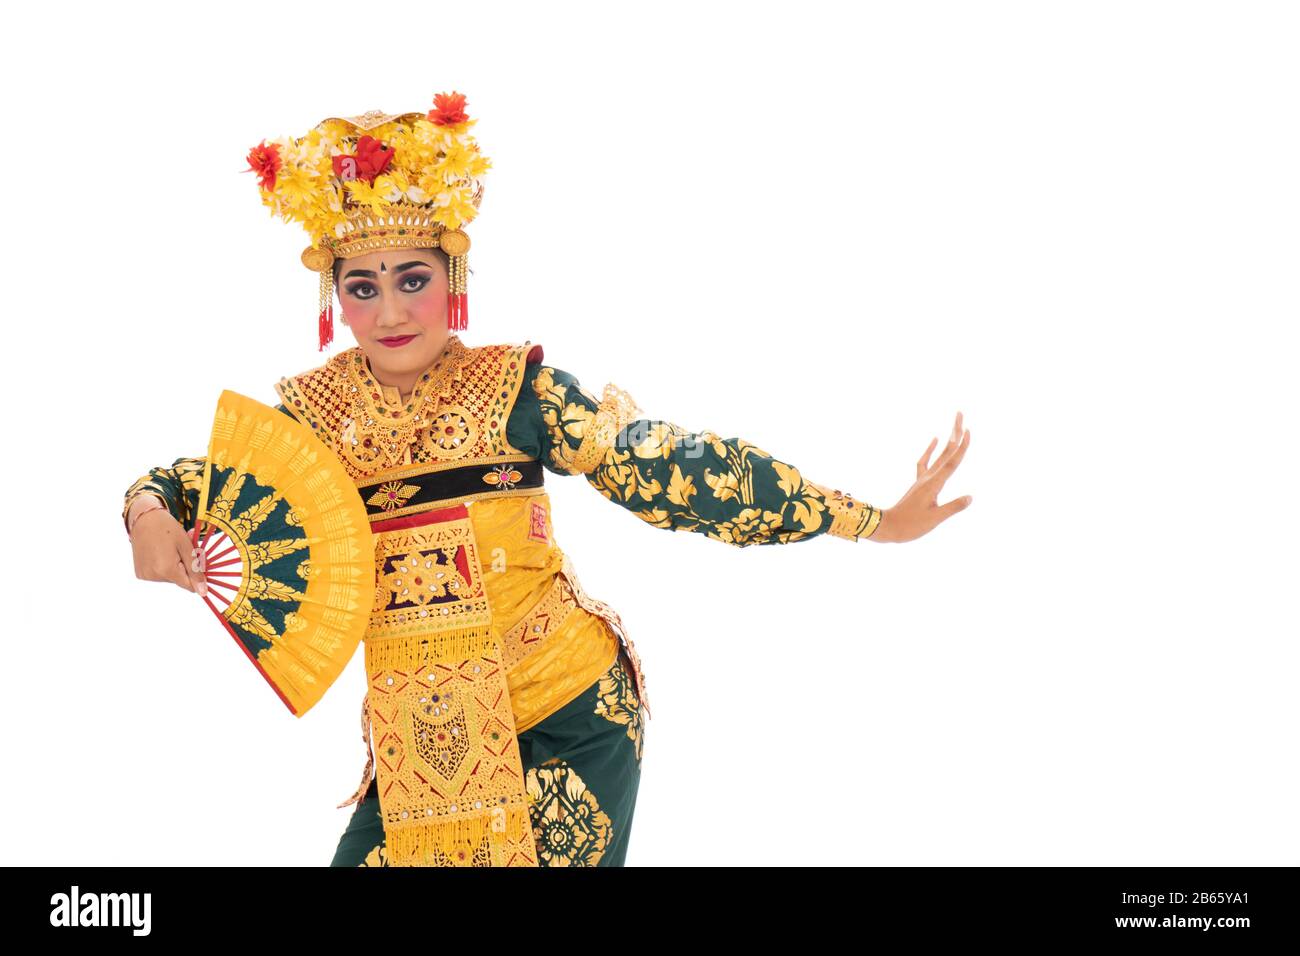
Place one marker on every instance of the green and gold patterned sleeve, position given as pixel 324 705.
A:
pixel 178 485
pixel 726 488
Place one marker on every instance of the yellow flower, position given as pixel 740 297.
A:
pixel 392 184
pixel 455 162
pixel 296 187
pixel 363 193
pixel 454 207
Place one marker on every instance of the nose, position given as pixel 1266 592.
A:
pixel 390 314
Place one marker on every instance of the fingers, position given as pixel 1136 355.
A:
pixel 194 567
pixel 952 454
pixel 954 440
pixel 946 511
pixel 958 453
pixel 923 462
pixel 187 568
pixel 176 573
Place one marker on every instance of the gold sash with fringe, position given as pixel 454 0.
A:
pixel 450 779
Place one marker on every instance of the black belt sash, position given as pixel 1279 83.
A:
pixel 389 497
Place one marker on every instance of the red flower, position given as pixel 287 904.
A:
pixel 448 109
pixel 265 161
pixel 372 158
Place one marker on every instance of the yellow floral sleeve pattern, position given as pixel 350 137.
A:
pixel 726 488
pixel 178 485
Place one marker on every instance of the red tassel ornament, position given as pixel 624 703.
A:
pixel 457 298
pixel 322 261
pixel 457 311
pixel 325 326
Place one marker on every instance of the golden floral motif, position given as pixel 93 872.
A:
pixel 563 417
pixel 451 430
pixel 378 856
pixel 617 702
pixel 750 524
pixel 658 440
pixel 569 826
pixel 619 476
pixel 805 508
pixel 419 577
pixel 392 494
pixel 681 487
pixel 504 477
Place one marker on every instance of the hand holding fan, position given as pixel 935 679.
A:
pixel 287 548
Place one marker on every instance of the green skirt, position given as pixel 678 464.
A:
pixel 582 767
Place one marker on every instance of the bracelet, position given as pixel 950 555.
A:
pixel 140 514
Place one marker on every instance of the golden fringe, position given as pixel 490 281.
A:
pixel 410 652
pixel 412 845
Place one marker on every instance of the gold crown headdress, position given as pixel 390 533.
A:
pixel 378 181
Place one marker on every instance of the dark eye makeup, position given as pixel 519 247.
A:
pixel 412 283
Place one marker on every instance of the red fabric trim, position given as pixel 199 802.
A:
pixel 424 517
pixel 534 355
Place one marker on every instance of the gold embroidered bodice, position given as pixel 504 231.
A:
pixel 457 412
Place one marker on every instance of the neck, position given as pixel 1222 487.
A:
pixel 405 382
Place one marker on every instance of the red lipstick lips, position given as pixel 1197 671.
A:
pixel 397 340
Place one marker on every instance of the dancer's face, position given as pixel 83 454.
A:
pixel 392 295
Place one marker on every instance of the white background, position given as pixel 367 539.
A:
pixel 824 228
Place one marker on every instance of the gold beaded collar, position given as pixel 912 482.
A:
pixel 376 430
pixel 434 380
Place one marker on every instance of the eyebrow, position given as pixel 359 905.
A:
pixel 367 273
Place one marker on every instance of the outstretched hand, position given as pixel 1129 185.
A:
pixel 918 512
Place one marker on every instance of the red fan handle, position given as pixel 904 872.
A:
pixel 218 551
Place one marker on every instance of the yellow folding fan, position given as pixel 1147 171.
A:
pixel 286 548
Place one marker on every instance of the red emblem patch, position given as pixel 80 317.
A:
pixel 537 528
